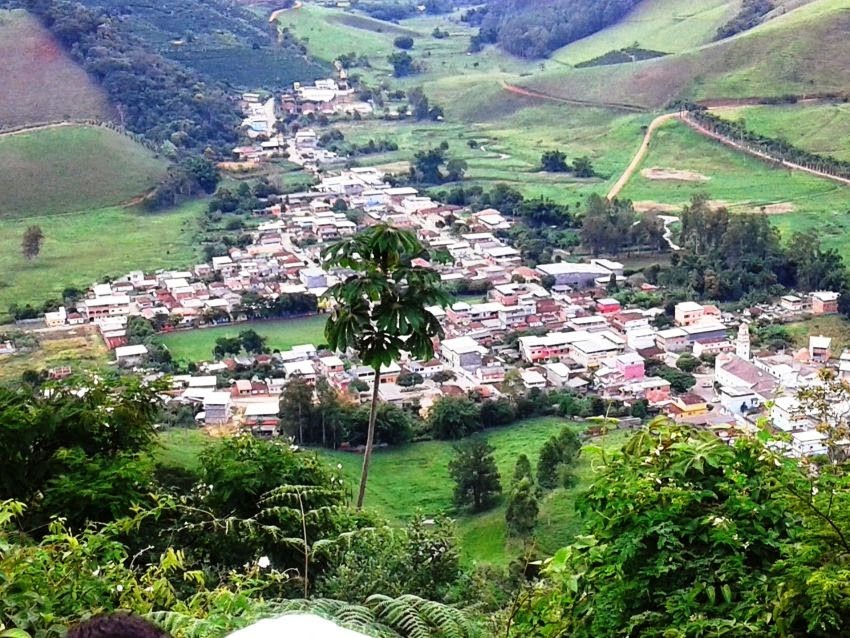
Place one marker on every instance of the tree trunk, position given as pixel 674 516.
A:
pixel 370 438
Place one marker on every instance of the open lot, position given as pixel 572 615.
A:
pixel 197 345
pixel 81 348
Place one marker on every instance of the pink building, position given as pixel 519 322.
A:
pixel 608 306
pixel 631 366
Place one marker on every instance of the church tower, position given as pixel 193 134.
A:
pixel 742 346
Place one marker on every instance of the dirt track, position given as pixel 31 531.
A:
pixel 641 153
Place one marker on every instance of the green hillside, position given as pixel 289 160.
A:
pixel 70 168
pixel 800 52
pixel 40 83
pixel 819 128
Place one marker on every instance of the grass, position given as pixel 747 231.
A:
pixel 80 348
pixel 818 128
pixel 85 247
pixel 834 326
pixel 415 478
pixel 197 345
pixel 743 184
pixel 672 26
pixel 181 448
pixel 40 82
pixel 508 147
pixel 800 52
pixel 72 168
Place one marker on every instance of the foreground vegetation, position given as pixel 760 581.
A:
pixel 677 531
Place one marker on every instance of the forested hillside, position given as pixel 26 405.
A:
pixel 534 30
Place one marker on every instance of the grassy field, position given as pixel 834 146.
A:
pixel 85 247
pixel 743 184
pixel 40 82
pixel 834 326
pixel 819 128
pixel 81 348
pixel 72 168
pixel 415 478
pixel 670 26
pixel 197 345
pixel 800 52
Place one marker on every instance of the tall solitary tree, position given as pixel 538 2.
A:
pixel 31 244
pixel 476 476
pixel 382 306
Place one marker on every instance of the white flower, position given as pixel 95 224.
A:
pixel 264 562
pixel 96 572
pixel 814 490
pixel 119 588
pixel 339 466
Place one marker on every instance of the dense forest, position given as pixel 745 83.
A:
pixel 534 30
pixel 751 14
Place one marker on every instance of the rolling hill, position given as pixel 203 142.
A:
pixel 801 52
pixel 40 83
pixel 68 168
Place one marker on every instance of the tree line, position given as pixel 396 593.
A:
pixel 534 30
pixel 728 257
pixel 777 149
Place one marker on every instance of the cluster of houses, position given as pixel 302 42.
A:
pixel 262 112
pixel 554 326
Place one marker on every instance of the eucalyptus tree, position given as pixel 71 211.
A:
pixel 381 307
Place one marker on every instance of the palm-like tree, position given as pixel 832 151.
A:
pixel 381 308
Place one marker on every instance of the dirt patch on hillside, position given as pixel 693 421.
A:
pixel 655 207
pixel 777 209
pixel 673 175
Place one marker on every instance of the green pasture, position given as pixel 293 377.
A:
pixel 85 247
pixel 414 478
pixel 72 168
pixel 197 345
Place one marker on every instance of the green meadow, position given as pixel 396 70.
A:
pixel 197 345
pixel 415 478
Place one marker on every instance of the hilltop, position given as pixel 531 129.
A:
pixel 41 83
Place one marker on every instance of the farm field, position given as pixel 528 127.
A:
pixel 415 477
pixel 197 345
pixel 508 149
pixel 71 168
pixel 800 202
pixel 87 246
pixel 329 33
pixel 40 82
pixel 81 348
pixel 818 128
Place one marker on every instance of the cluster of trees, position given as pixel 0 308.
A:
pixel 429 164
pixel 751 14
pixel 403 64
pixel 248 340
pixel 613 227
pixel 684 535
pixel 556 162
pixel 189 178
pixel 633 53
pixel 334 140
pixel 728 257
pixel 155 97
pixel 404 42
pixel 535 30
pixel 395 11
pixel 777 149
